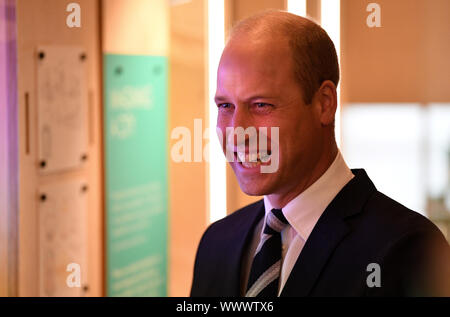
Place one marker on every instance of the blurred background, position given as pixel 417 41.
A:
pixel 107 175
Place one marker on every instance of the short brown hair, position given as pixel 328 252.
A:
pixel 313 51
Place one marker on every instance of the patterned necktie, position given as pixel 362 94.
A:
pixel 266 266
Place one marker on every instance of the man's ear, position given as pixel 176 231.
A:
pixel 327 99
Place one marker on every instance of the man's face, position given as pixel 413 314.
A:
pixel 256 87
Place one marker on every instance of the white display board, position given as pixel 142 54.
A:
pixel 63 238
pixel 62 107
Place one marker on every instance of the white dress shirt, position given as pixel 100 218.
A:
pixel 302 212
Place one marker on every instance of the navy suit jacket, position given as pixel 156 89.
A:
pixel 360 226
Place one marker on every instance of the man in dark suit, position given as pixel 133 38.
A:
pixel 321 229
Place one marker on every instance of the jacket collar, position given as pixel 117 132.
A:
pixel 305 209
pixel 327 234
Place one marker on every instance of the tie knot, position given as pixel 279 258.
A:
pixel 275 222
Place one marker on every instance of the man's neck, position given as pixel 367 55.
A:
pixel 279 200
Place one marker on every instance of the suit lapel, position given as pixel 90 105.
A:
pixel 327 234
pixel 318 248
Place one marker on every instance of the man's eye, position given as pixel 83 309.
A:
pixel 262 104
pixel 224 105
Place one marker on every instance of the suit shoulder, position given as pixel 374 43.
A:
pixel 221 228
pixel 394 218
pixel 409 248
pixel 234 218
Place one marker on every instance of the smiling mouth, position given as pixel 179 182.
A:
pixel 252 160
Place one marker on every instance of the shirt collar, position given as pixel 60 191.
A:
pixel 304 211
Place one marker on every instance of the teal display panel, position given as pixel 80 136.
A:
pixel 135 134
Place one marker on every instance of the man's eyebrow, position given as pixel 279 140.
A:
pixel 220 98
pixel 259 97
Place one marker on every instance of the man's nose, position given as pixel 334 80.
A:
pixel 241 119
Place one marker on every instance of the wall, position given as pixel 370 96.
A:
pixel 405 60
pixel 43 22
pixel 188 101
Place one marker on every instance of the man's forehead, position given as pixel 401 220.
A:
pixel 256 62
pixel 264 47
pixel 262 58
pixel 254 77
pixel 250 84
